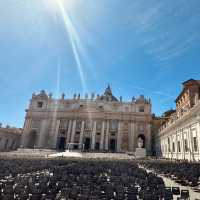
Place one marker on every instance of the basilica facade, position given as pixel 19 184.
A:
pixel 95 123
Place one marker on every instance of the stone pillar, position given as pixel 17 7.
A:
pixel 25 135
pixel 102 136
pixel 107 135
pixel 176 145
pixel 42 134
pixel 93 135
pixel 148 139
pixel 198 137
pixel 55 133
pixel 190 137
pixel 172 140
pixel 73 131
pixel 69 132
pixel 81 135
pixel 119 136
pixel 182 145
pixel 135 141
pixel 162 146
pixel 131 136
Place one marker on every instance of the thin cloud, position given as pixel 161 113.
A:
pixel 166 30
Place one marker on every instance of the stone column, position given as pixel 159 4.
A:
pixel 198 137
pixel 107 135
pixel 25 135
pixel 162 147
pixel 94 135
pixel 42 134
pixel 73 131
pixel 55 133
pixel 182 144
pixel 172 140
pixel 119 136
pixel 176 145
pixel 131 136
pixel 81 135
pixel 190 137
pixel 102 135
pixel 135 141
pixel 148 139
pixel 69 132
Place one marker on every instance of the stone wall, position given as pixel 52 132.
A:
pixel 9 138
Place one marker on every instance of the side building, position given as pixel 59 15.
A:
pixel 179 136
pixel 9 138
pixel 98 123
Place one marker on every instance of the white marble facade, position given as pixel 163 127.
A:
pixel 101 123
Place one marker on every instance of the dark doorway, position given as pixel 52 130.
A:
pixel 112 145
pixel 97 146
pixel 32 139
pixel 62 142
pixel 87 144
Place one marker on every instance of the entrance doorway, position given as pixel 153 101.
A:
pixel 62 143
pixel 97 145
pixel 32 139
pixel 112 145
pixel 87 144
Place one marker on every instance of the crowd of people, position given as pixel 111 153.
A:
pixel 81 179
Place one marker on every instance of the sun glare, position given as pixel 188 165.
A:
pixel 74 38
pixel 68 4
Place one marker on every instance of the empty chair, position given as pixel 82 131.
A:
pixel 185 194
pixel 7 196
pixel 176 190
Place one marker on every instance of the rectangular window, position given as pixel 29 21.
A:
pixel 113 125
pixel 99 125
pixel 88 125
pixel 195 144
pixel 40 104
pixel 141 109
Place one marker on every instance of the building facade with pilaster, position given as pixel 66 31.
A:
pixel 96 123
pixel 9 138
pixel 179 135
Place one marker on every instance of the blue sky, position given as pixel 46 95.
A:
pixel 137 46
